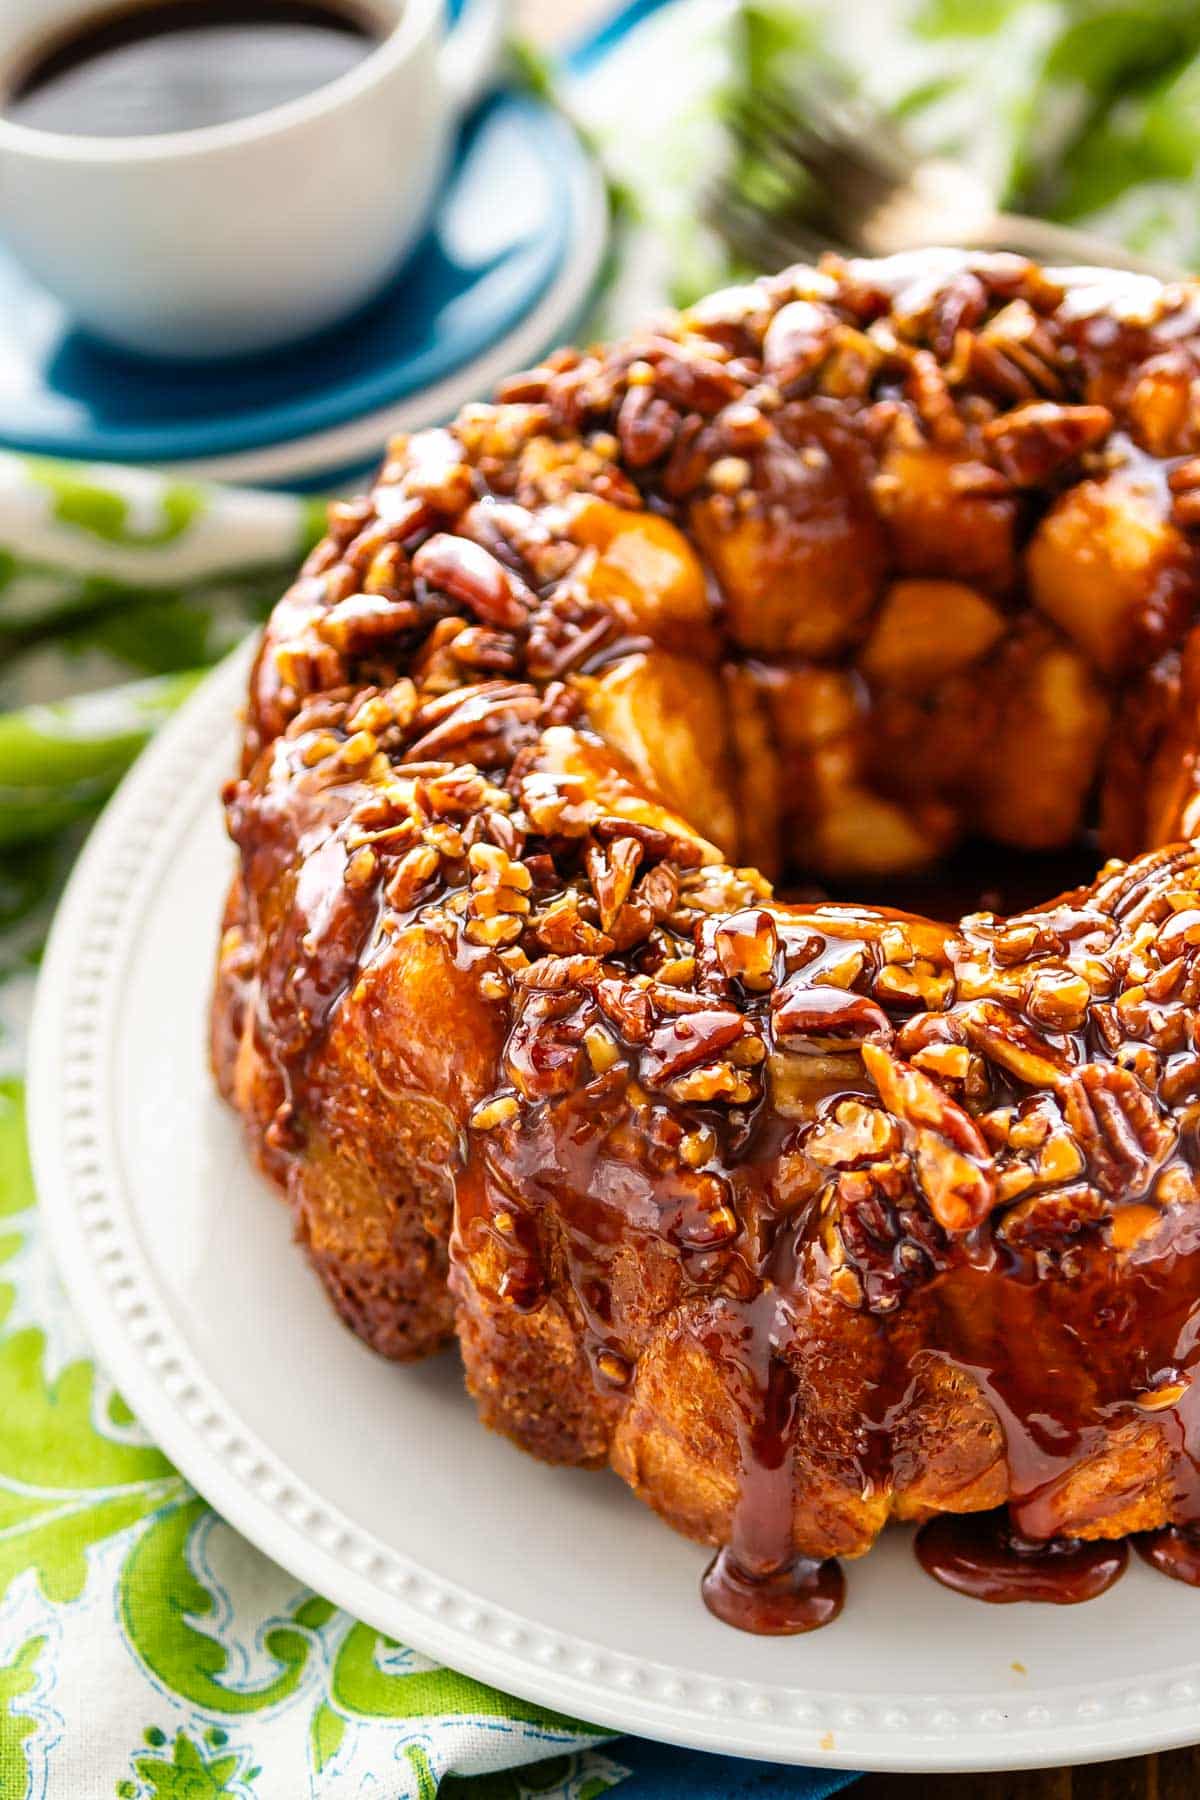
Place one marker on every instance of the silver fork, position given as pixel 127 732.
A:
pixel 841 177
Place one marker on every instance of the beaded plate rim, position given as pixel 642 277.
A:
pixel 112 1283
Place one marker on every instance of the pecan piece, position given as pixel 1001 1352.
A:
pixel 1036 441
pixel 1050 1221
pixel 817 1019
pixel 797 341
pixel 1184 483
pixel 611 871
pixel 484 724
pixel 693 381
pixel 646 426
pixel 463 569
pixel 1006 1039
pixel 680 1043
pixel 952 1159
pixel 1120 1129
pixel 544 1055
pixel 853 1133
pixel 658 845
pixel 745 945
pixel 628 1007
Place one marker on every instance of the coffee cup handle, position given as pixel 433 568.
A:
pixel 471 51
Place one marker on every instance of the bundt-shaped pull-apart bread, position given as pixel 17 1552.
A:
pixel 799 1216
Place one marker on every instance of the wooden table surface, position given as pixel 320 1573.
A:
pixel 1174 1776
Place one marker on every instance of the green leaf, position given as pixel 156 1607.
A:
pixel 17 1678
pixel 161 1596
pixel 104 513
pixel 962 18
pixel 427 1781
pixel 51 1437
pixel 191 1774
pixel 314 1612
pixel 64 1483
pixel 325 1735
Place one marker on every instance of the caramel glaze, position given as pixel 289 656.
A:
pixel 1173 1551
pixel 797 1215
pixel 980 1555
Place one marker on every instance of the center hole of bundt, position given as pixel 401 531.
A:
pixel 948 686
pixel 977 876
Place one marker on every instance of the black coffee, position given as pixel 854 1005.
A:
pixel 175 65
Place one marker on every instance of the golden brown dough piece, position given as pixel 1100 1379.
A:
pixel 800 1217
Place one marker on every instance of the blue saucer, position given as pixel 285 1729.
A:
pixel 498 238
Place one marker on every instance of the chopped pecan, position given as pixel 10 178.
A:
pixel 1049 1221
pixel 646 426
pixel 611 870
pixel 1181 932
pixel 416 868
pixel 436 470
pixel 1058 999
pixel 797 341
pixel 1004 1038
pixel 544 1055
pixel 658 845
pixel 1120 1127
pixel 745 944
pixel 697 1210
pixel 952 1159
pixel 364 621
pixel 467 572
pixel 1015 353
pixel 678 1044
pixel 685 375
pixel 1184 483
pixel 853 1132
pixel 553 973
pixel 1034 442
pixel 815 1018
pixel 484 724
pixel 562 928
pixel 628 1007
pixel 883 1227
pixel 711 1082
pixel 658 891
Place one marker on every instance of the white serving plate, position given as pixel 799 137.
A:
pixel 376 1485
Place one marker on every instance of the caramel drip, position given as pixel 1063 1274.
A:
pixel 983 1556
pixel 1174 1551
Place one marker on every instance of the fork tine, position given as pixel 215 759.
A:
pixel 765 240
pixel 835 179
pixel 810 170
pixel 836 128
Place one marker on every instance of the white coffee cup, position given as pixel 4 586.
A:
pixel 242 236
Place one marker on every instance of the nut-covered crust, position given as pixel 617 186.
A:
pixel 800 1217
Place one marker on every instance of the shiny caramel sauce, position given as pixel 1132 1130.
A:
pixel 980 1555
pixel 748 1584
pixel 801 1596
pixel 898 1200
pixel 1174 1551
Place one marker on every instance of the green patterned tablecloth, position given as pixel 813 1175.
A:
pixel 146 1651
